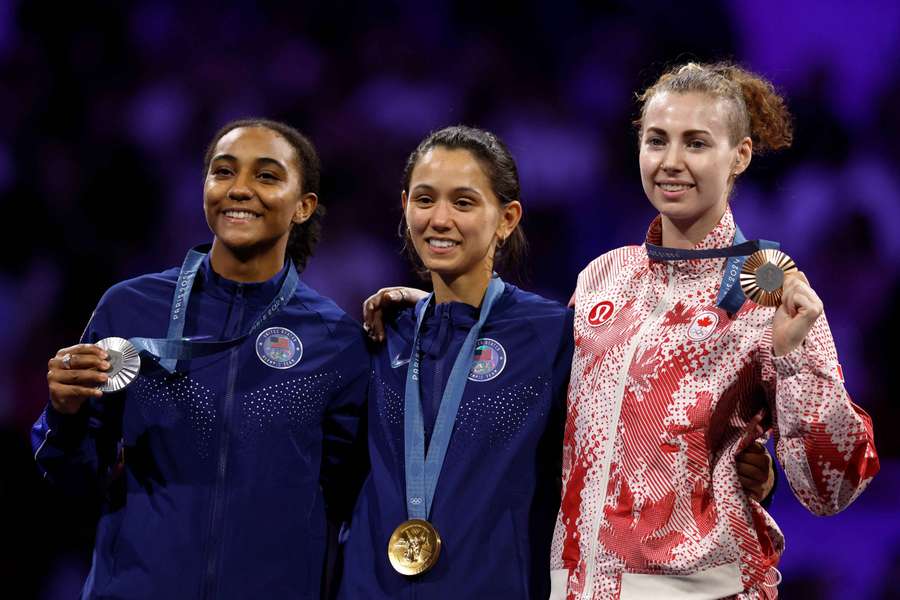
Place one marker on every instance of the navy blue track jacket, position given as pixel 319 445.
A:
pixel 231 462
pixel 498 493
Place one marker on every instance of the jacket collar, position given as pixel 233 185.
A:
pixel 253 293
pixel 721 236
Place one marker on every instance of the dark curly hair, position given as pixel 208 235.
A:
pixel 304 236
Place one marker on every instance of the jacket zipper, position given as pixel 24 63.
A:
pixel 218 499
pixel 654 316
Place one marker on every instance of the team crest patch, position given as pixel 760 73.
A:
pixel 600 313
pixel 703 326
pixel 279 348
pixel 489 360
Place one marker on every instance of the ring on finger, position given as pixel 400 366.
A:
pixel 67 361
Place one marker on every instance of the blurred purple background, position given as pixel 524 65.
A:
pixel 107 110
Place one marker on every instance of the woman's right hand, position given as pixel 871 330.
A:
pixel 389 299
pixel 74 374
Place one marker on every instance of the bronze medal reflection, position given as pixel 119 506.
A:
pixel 124 363
pixel 762 276
pixel 414 547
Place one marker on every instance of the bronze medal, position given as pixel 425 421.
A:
pixel 762 276
pixel 414 547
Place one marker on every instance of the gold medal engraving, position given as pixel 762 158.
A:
pixel 414 547
pixel 763 276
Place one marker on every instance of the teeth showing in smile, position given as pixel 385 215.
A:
pixel 240 214
pixel 675 187
pixel 441 243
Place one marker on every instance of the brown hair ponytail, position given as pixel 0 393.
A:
pixel 758 110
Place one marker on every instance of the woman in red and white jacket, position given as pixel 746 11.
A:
pixel 667 386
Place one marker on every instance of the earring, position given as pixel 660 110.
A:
pixel 400 232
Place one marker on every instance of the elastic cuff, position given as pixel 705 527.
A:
pixel 790 364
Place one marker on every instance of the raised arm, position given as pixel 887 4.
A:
pixel 824 442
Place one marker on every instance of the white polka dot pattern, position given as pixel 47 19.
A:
pixel 296 404
pixel 171 398
pixel 499 416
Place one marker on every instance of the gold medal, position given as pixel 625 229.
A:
pixel 763 276
pixel 414 547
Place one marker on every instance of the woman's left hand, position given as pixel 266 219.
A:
pixel 386 300
pixel 800 307
pixel 755 471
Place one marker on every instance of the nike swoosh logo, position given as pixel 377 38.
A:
pixel 399 362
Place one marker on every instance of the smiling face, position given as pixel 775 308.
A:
pixel 687 161
pixel 454 217
pixel 252 195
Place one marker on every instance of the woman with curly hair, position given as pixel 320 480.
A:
pixel 673 367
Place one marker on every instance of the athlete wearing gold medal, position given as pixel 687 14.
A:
pixel 466 402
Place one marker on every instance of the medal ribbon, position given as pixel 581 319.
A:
pixel 731 297
pixel 174 347
pixel 422 472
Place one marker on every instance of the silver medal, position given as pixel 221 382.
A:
pixel 124 363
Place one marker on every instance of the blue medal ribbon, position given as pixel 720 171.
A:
pixel 731 297
pixel 422 471
pixel 174 347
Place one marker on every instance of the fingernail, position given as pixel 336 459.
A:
pixel 104 378
pixel 105 355
pixel 105 366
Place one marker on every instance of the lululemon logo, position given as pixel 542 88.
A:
pixel 600 313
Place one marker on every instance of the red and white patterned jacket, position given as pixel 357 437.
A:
pixel 666 388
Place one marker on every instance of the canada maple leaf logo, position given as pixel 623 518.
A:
pixel 704 322
pixel 637 537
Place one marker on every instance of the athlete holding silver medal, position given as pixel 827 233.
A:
pixel 235 428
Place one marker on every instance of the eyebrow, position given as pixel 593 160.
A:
pixel 457 190
pixel 688 132
pixel 262 160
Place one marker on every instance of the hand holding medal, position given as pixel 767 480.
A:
pixel 770 278
pixel 800 307
pixel 767 276
pixel 75 374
